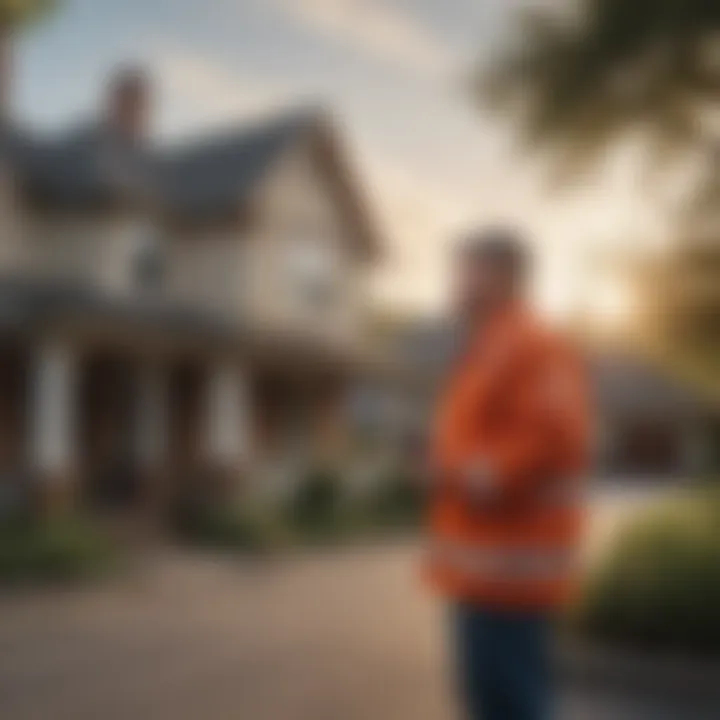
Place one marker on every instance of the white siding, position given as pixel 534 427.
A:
pixel 205 268
pixel 64 248
pixel 96 250
pixel 202 268
pixel 301 238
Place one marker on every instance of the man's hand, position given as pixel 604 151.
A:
pixel 477 480
pixel 480 482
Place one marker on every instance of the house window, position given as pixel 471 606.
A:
pixel 148 261
pixel 314 274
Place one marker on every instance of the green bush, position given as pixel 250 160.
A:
pixel 396 503
pixel 315 506
pixel 64 549
pixel 659 585
pixel 315 513
pixel 229 528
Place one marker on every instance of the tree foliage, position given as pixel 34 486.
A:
pixel 579 79
pixel 678 308
pixel 17 13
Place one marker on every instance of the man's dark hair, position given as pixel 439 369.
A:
pixel 503 248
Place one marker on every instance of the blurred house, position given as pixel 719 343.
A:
pixel 393 405
pixel 649 422
pixel 173 316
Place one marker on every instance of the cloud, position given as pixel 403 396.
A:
pixel 375 28
pixel 198 91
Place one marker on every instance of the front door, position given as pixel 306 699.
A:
pixel 107 423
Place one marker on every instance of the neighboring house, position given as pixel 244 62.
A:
pixel 393 404
pixel 173 316
pixel 397 401
pixel 649 423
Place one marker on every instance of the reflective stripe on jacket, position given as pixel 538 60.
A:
pixel 514 417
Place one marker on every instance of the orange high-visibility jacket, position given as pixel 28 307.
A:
pixel 509 447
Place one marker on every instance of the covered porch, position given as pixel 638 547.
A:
pixel 123 428
pixel 114 430
pixel 121 405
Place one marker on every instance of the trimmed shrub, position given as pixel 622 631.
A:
pixel 396 503
pixel 315 513
pixel 228 528
pixel 315 506
pixel 60 550
pixel 659 584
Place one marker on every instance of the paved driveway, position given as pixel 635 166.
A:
pixel 338 636
pixel 325 638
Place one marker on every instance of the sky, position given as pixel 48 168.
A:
pixel 432 161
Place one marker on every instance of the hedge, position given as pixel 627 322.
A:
pixel 60 550
pixel 659 585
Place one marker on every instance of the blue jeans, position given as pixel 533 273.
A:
pixel 503 663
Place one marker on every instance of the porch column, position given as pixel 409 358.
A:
pixel 52 420
pixel 227 421
pixel 151 430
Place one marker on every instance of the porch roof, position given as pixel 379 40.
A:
pixel 34 307
pixel 628 386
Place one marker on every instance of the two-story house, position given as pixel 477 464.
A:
pixel 173 315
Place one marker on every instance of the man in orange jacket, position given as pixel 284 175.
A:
pixel 509 446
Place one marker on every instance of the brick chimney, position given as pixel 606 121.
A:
pixel 128 103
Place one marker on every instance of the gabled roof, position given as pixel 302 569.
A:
pixel 89 166
pixel 215 173
pixel 196 181
pixel 627 385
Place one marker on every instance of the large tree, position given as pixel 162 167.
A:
pixel 15 15
pixel 584 77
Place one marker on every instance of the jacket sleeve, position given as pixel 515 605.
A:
pixel 546 434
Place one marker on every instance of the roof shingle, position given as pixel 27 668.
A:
pixel 94 165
